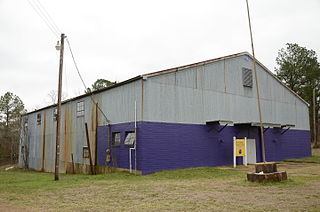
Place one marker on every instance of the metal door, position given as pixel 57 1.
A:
pixel 251 151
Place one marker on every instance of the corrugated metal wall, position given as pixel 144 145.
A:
pixel 215 92
pixel 195 95
pixel 118 106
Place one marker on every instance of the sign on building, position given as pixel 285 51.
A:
pixel 239 150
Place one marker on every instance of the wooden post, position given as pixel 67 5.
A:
pixel 88 143
pixel 56 169
pixel 314 117
pixel 72 163
pixel 234 153
pixel 257 88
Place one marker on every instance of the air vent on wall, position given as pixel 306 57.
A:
pixel 247 77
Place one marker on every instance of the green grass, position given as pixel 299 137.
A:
pixel 23 182
pixel 194 189
pixel 312 159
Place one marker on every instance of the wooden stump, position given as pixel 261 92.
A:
pixel 267 172
pixel 267 167
pixel 267 177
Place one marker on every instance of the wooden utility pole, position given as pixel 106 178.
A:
pixel 314 118
pixel 257 87
pixel 56 169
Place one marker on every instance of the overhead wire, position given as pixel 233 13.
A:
pixel 49 17
pixel 41 14
pixel 48 20
pixel 84 84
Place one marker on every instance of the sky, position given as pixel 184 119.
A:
pixel 118 40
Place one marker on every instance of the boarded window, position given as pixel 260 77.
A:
pixel 39 118
pixel 80 109
pixel 247 77
pixel 130 138
pixel 85 152
pixel 116 139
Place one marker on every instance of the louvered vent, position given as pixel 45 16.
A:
pixel 247 77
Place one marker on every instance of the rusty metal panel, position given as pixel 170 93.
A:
pixel 118 106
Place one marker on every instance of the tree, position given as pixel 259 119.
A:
pixel 53 96
pixel 99 84
pixel 11 108
pixel 299 69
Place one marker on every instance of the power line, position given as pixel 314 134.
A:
pixel 44 19
pixel 84 84
pixel 49 17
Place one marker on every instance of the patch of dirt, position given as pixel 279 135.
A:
pixel 16 209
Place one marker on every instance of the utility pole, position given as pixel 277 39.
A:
pixel 56 169
pixel 258 93
pixel 314 117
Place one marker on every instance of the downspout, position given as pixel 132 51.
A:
pixel 43 142
pixel 135 134
pixel 135 142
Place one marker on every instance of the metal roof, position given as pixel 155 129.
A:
pixel 166 71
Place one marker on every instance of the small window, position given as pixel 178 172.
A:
pixel 85 152
pixel 25 122
pixel 116 139
pixel 247 77
pixel 130 138
pixel 80 109
pixel 39 118
pixel 22 149
pixel 55 114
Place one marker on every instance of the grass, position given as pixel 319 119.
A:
pixel 312 159
pixel 28 182
pixel 199 189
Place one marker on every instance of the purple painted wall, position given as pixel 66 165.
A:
pixel 120 153
pixel 163 146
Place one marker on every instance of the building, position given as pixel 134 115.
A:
pixel 185 117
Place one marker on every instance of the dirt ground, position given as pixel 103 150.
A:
pixel 199 193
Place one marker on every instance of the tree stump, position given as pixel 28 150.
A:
pixel 266 172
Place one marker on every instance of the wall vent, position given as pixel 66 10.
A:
pixel 247 79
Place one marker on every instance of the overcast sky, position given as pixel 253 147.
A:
pixel 117 40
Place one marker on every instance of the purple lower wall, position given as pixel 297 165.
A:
pixel 120 153
pixel 163 146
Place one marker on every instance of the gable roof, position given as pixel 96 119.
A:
pixel 179 68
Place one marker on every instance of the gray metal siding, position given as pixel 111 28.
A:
pixel 215 91
pixel 117 104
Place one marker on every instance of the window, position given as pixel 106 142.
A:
pixel 25 123
pixel 116 139
pixel 80 108
pixel 130 138
pixel 39 118
pixel 85 151
pixel 55 114
pixel 247 77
